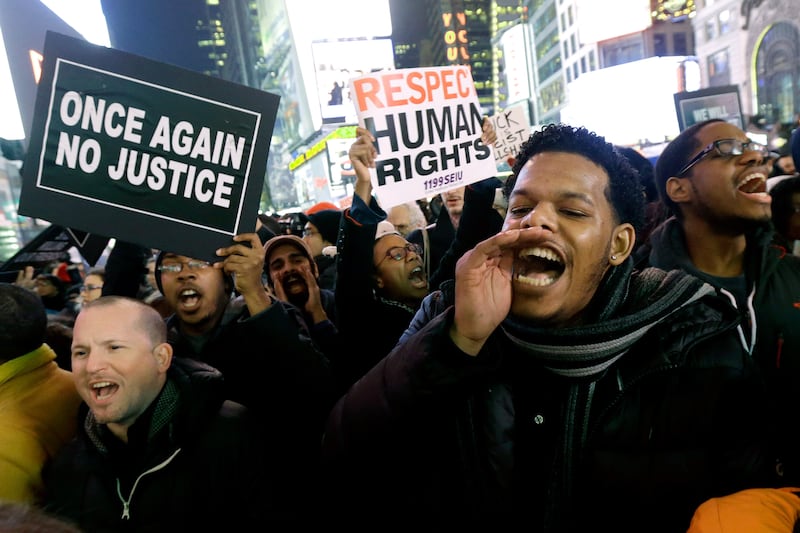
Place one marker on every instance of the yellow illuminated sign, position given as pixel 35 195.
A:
pixel 345 132
pixel 455 37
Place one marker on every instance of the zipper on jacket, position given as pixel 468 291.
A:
pixel 126 504
pixel 751 314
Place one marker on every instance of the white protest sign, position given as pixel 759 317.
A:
pixel 512 128
pixel 427 124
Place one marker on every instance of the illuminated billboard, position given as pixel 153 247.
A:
pixel 336 62
pixel 515 63
pixel 321 20
pixel 599 21
pixel 641 109
pixel 455 38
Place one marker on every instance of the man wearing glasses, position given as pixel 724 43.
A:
pixel 380 276
pixel 225 318
pixel 713 179
pixel 92 287
pixel 319 232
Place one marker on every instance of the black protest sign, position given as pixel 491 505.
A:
pixel 704 104
pixel 143 151
pixel 51 245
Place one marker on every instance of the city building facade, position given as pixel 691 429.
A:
pixel 755 46
pixel 540 52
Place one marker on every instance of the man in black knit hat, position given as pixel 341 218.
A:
pixel 320 232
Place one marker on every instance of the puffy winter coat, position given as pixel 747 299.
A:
pixel 528 436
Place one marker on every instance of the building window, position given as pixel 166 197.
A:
pixel 573 43
pixel 547 43
pixel 711 30
pixel 569 75
pixel 622 51
pixel 569 15
pixel 778 72
pixel 583 64
pixel 544 20
pixel 719 71
pixel 592 62
pixel 575 73
pixel 679 44
pixel 660 44
pixel 725 23
pixel 549 68
pixel 552 95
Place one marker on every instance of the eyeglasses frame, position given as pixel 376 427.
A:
pixel 714 146
pixel 192 264
pixel 408 247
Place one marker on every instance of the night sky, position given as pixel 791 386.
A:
pixel 152 29
pixel 161 30
pixel 406 18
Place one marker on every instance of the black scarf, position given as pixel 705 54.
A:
pixel 625 307
pixel 152 421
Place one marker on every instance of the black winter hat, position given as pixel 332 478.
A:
pixel 327 222
pixel 55 281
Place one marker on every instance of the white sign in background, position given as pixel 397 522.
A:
pixel 516 63
pixel 512 128
pixel 428 124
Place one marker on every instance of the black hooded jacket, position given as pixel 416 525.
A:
pixel 770 320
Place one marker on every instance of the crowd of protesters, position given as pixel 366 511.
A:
pixel 593 343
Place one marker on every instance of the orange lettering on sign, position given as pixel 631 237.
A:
pixel 417 90
pixel 392 88
pixel 366 89
pixel 400 88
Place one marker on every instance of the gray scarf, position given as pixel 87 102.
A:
pixel 624 308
